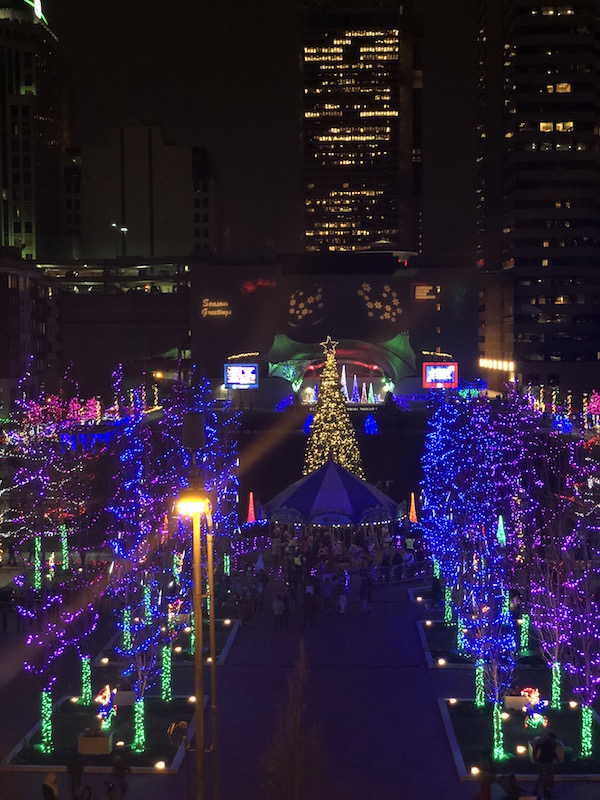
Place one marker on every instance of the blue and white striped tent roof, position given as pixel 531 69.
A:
pixel 331 495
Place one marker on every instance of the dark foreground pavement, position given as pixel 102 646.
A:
pixel 369 693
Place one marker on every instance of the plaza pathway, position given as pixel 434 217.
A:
pixel 369 692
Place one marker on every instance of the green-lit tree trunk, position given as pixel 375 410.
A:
pixel 524 638
pixel 165 676
pixel 447 604
pixel 86 681
pixel 479 684
pixel 587 718
pixel 498 731
pixel 556 695
pixel 139 726
pixel 47 738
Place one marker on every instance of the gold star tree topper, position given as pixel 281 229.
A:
pixel 329 345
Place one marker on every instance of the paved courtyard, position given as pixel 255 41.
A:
pixel 369 692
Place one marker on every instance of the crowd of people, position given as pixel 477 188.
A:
pixel 310 569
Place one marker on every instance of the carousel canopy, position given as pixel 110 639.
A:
pixel 331 495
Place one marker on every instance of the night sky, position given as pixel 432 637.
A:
pixel 226 75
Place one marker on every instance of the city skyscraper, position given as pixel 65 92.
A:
pixel 34 129
pixel 137 195
pixel 539 191
pixel 358 126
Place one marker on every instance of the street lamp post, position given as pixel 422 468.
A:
pixel 123 230
pixel 193 504
pixel 213 652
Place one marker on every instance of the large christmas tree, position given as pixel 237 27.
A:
pixel 332 434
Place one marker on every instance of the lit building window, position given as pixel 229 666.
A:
pixel 546 127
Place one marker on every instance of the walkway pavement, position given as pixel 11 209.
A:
pixel 369 692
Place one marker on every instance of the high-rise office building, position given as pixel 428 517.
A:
pixel 34 131
pixel 137 195
pixel 358 126
pixel 539 193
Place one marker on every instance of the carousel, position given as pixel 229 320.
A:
pixel 352 517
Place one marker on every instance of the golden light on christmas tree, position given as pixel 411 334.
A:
pixel 332 434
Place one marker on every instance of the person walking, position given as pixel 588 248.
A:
pixel 286 608
pixel 50 787
pixel 545 753
pixel 366 585
pixel 486 775
pixel 121 769
pixel 309 610
pixel 75 769
pixel 341 582
pixel 278 609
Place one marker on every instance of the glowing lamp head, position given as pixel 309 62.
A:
pixel 192 501
pixel 521 749
pixel 441 662
pixel 474 770
pixel 160 765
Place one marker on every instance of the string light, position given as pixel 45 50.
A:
pixel 47 745
pixel 127 628
pixel 587 717
pixel 447 605
pixel 86 681
pixel 166 690
pixel 499 753
pixel 37 563
pixel 479 684
pixel 524 636
pixel 555 697
pixel 139 728
pixel 64 543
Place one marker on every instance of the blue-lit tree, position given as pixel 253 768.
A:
pixel 437 516
pixel 218 461
pixel 144 644
pixel 488 630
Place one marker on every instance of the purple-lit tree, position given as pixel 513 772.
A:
pixel 581 556
pixel 554 525
pixel 73 624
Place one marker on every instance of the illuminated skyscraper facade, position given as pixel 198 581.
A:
pixel 34 80
pixel 539 194
pixel 358 126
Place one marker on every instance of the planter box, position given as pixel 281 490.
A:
pixel 94 745
pixel 514 702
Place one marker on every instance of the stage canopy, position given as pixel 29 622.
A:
pixel 331 495
pixel 290 360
